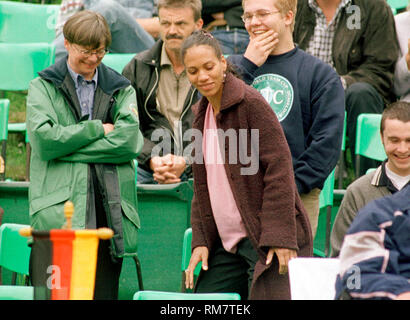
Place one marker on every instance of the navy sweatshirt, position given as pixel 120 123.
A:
pixel 308 98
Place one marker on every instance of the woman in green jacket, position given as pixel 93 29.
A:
pixel 84 153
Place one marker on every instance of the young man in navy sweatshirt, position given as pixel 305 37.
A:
pixel 306 94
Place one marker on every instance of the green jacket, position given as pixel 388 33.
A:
pixel 64 147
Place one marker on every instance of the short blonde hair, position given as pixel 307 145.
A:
pixel 284 6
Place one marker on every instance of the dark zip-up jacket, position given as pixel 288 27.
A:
pixel 144 71
pixel 366 52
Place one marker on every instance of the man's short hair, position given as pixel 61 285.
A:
pixel 284 6
pixel 399 110
pixel 88 29
pixel 195 5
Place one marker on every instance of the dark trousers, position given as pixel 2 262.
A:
pixel 361 98
pixel 108 272
pixel 228 272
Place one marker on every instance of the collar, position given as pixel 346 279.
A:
pixel 380 178
pixel 343 4
pixel 108 80
pixel 164 58
pixel 77 78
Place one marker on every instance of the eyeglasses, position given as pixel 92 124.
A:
pixel 260 15
pixel 88 53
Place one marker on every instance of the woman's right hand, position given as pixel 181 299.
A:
pixel 200 254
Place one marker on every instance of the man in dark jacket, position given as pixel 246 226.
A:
pixel 358 39
pixel 164 94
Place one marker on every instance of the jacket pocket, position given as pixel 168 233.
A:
pixel 47 212
pixel 50 199
pixel 130 224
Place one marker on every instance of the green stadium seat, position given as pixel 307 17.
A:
pixel 26 22
pixel 16 293
pixel 20 63
pixel 4 118
pixel 14 201
pixel 342 163
pixel 14 250
pixel 397 5
pixel 186 256
pixel 162 295
pixel 164 212
pixel 321 244
pixel 368 140
pixel 117 61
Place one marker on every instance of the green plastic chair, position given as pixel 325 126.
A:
pixel 397 5
pixel 162 295
pixel 20 62
pixel 368 140
pixel 321 244
pixel 14 249
pixel 342 163
pixel 186 256
pixel 117 61
pixel 165 214
pixel 16 293
pixel 26 22
pixel 4 118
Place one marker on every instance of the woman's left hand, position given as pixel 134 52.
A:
pixel 284 255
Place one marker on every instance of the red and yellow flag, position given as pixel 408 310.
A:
pixel 64 262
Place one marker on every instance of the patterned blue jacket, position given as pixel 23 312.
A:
pixel 375 256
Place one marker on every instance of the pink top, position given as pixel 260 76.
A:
pixel 226 214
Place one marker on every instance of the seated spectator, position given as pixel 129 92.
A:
pixel 305 93
pixel 165 95
pixel 128 36
pixel 375 256
pixel 402 72
pixel 390 177
pixel 357 38
pixel 223 20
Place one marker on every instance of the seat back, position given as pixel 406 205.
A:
pixel 165 212
pixel 14 250
pixel 16 293
pixel 20 63
pixel 313 278
pixel 321 244
pixel 117 61
pixel 368 140
pixel 397 5
pixel 161 295
pixel 26 22
pixel 326 195
pixel 186 256
pixel 4 118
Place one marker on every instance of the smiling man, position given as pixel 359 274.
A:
pixel 391 176
pixel 164 94
pixel 305 93
pixel 84 134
